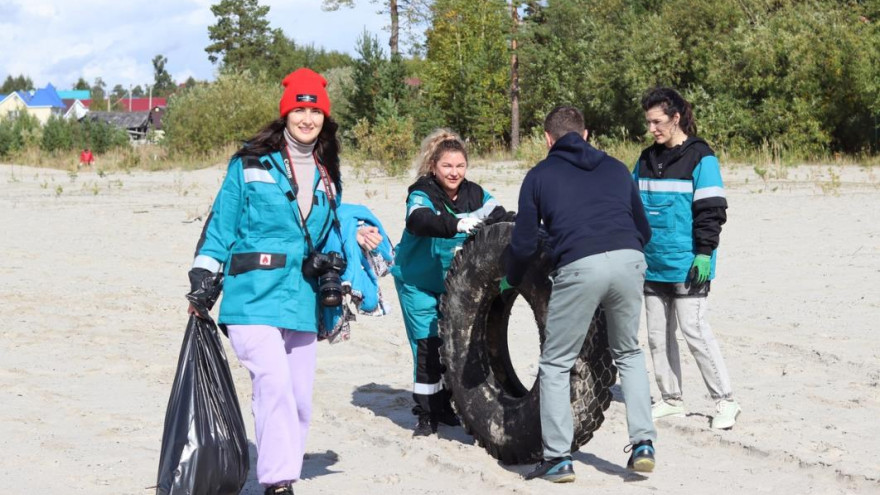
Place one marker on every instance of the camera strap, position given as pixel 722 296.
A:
pixel 328 190
pixel 331 197
pixel 291 177
pixel 325 177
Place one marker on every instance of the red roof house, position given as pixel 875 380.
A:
pixel 142 104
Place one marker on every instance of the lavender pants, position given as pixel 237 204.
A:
pixel 282 367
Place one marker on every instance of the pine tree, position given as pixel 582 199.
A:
pixel 468 69
pixel 241 35
pixel 163 85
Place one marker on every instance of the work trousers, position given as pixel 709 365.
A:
pixel 666 310
pixel 615 280
pixel 281 363
pixel 420 313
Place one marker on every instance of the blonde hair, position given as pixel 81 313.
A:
pixel 438 142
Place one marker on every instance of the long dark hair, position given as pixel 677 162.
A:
pixel 271 138
pixel 671 103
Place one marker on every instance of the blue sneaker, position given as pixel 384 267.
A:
pixel 642 457
pixel 558 470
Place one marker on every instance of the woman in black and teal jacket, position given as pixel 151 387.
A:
pixel 442 208
pixel 679 180
pixel 275 210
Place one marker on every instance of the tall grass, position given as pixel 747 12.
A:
pixel 147 157
pixel 533 149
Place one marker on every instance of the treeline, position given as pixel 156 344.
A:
pixel 796 77
pixel 23 132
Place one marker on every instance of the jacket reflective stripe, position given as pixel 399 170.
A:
pixel 206 262
pixel 258 175
pixel 427 388
pixel 414 208
pixel 486 209
pixel 709 192
pixel 666 185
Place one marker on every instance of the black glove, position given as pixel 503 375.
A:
pixel 499 214
pixel 205 287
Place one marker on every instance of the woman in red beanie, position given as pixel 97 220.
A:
pixel 269 223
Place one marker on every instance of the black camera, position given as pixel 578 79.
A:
pixel 326 268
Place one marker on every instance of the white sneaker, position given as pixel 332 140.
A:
pixel 727 411
pixel 664 409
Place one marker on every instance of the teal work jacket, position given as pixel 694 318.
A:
pixel 254 233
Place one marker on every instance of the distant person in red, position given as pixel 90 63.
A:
pixel 86 157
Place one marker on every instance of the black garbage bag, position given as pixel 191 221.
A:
pixel 204 445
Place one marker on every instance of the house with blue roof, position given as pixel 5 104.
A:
pixel 42 104
pixel 13 104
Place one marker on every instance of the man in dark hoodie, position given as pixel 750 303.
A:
pixel 591 210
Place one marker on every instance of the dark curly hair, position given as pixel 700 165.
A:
pixel 671 103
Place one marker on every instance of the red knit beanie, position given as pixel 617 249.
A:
pixel 304 88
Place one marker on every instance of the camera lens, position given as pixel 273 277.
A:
pixel 330 287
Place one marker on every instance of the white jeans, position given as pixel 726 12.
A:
pixel 664 313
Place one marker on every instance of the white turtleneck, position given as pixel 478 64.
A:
pixel 303 164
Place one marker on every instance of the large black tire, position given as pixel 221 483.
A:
pixel 494 406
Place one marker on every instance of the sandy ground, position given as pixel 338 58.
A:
pixel 91 300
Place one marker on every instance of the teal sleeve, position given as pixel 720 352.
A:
pixel 417 200
pixel 225 215
pixel 708 186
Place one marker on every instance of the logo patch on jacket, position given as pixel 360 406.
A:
pixel 307 98
pixel 265 259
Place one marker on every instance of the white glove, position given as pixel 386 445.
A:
pixel 468 224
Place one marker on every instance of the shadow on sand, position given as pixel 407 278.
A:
pixel 396 405
pixel 315 464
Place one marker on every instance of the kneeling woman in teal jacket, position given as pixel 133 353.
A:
pixel 274 213
pixel 442 208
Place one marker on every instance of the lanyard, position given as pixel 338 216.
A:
pixel 325 178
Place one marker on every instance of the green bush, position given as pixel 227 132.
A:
pixel 210 116
pixel 28 130
pixel 8 138
pixel 339 79
pixel 532 149
pixel 101 137
pixel 467 71
pixel 19 132
pixel 58 135
pixel 389 140
pixel 798 77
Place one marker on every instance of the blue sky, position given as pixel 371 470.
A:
pixel 59 41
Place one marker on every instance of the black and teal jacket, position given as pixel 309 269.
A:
pixel 683 195
pixel 254 233
pixel 430 238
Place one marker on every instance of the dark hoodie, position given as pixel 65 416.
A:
pixel 588 204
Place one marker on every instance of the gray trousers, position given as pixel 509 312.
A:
pixel 614 279
pixel 664 313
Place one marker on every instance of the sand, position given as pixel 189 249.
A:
pixel 91 299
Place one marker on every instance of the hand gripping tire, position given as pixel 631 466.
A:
pixel 494 406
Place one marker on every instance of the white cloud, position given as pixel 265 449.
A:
pixel 59 41
pixel 39 9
